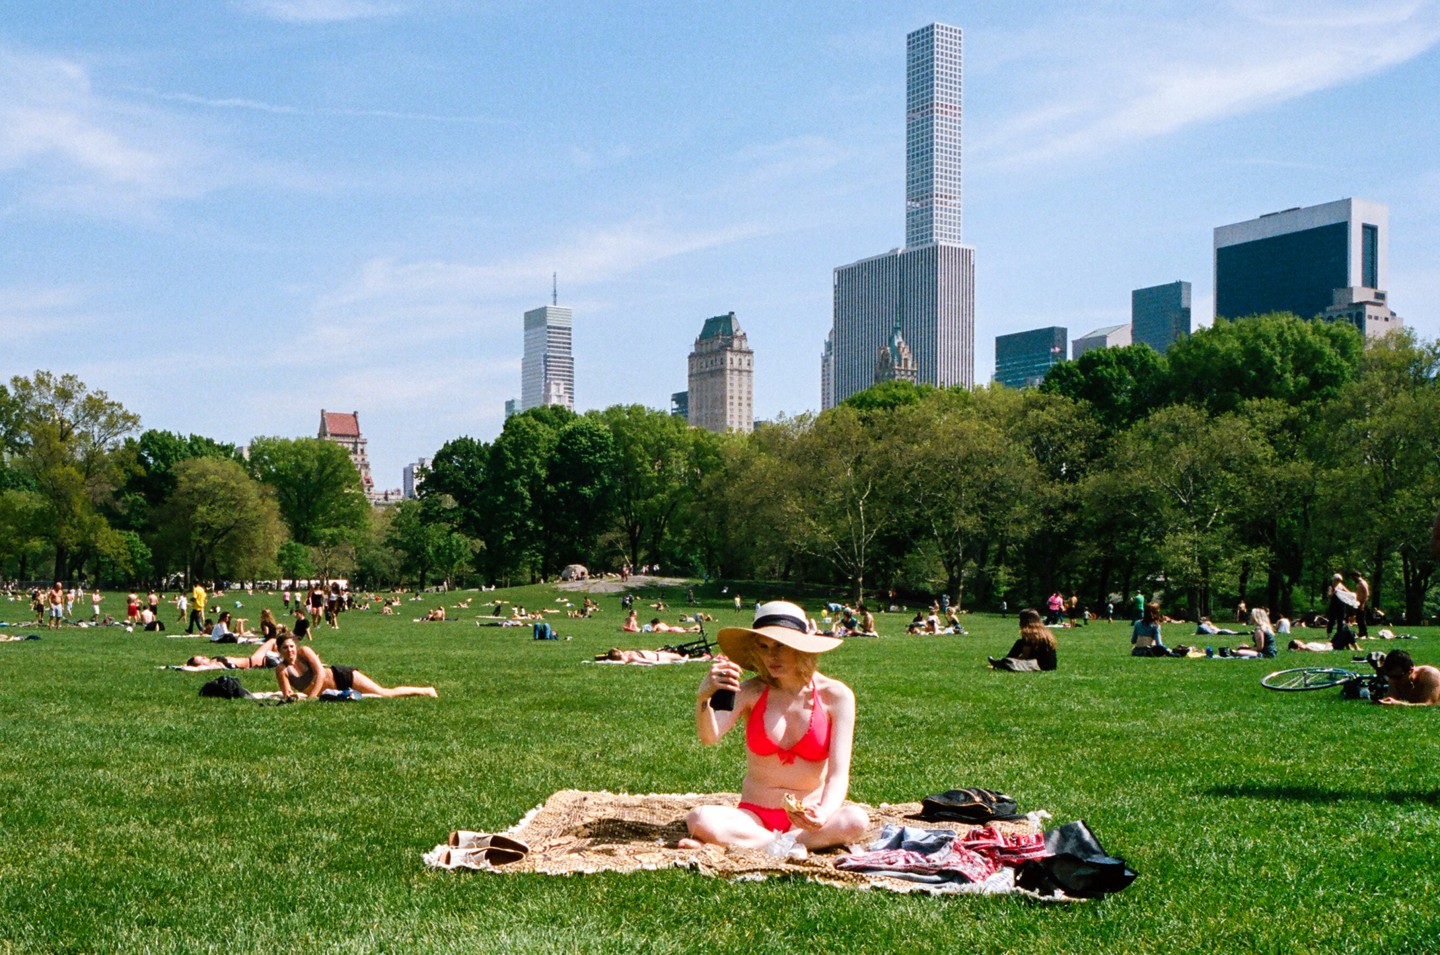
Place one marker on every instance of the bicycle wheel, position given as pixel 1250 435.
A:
pixel 1306 678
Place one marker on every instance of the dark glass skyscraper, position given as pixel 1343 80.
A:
pixel 1160 315
pixel 1296 260
pixel 1023 358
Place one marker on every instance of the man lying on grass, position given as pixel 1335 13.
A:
pixel 1410 685
pixel 799 731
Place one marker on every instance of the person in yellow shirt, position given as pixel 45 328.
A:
pixel 197 609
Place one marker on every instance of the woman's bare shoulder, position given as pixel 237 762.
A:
pixel 832 691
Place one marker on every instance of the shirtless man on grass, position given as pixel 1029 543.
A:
pixel 1410 685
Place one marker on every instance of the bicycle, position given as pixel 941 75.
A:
pixel 1353 685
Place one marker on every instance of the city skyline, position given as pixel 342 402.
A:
pixel 347 202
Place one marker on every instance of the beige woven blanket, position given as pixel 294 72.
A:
pixel 578 831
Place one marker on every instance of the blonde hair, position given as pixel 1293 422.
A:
pixel 806 665
pixel 1260 618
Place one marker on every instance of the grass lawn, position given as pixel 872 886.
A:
pixel 136 816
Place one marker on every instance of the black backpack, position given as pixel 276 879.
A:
pixel 225 688
pixel 1076 864
pixel 977 806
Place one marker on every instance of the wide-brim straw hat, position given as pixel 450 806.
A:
pixel 781 621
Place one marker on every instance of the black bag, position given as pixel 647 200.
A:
pixel 1075 864
pixel 977 806
pixel 225 688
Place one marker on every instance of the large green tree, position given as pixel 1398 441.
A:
pixel 225 523
pixel 657 475
pixel 1120 385
pixel 1267 356
pixel 65 439
pixel 316 485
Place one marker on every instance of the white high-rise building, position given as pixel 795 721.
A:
pixel 547 369
pixel 928 287
pixel 414 476
pixel 932 135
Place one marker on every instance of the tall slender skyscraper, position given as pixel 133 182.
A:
pixel 932 135
pixel 928 287
pixel 547 370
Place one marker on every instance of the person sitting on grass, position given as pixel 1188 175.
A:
pixel 799 735
pixel 438 614
pixel 1036 643
pixel 1262 637
pixel 632 623
pixel 866 627
pixel 301 673
pixel 1145 634
pixel 1410 685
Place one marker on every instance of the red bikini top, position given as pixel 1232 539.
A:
pixel 813 747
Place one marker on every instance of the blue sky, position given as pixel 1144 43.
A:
pixel 230 215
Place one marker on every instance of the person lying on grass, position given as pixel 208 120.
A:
pixel 265 656
pixel 1410 685
pixel 662 655
pixel 1036 643
pixel 301 672
pixel 659 626
pixel 799 734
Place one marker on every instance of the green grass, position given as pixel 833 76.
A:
pixel 136 816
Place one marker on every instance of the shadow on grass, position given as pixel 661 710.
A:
pixel 628 830
pixel 1318 794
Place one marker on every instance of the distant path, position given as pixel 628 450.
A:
pixel 613 585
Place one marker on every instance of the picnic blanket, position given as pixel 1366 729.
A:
pixel 578 831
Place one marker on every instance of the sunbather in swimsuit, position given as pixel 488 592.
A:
pixel 814 746
pixel 301 672
pixel 799 788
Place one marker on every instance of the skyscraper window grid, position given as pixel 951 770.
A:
pixel 547 367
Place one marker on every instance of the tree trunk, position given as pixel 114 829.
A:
pixel 1377 581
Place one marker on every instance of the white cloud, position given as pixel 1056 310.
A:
pixel 321 11
pixel 283 109
pixel 62 143
pixel 427 302
pixel 1125 79
pixel 30 315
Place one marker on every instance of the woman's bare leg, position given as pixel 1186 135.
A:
pixel 846 826
pixel 725 826
pixel 364 684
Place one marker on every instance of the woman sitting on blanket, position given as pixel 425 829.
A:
pixel 1262 637
pixel 301 672
pixel 632 623
pixel 799 732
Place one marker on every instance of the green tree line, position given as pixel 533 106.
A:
pixel 1251 461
